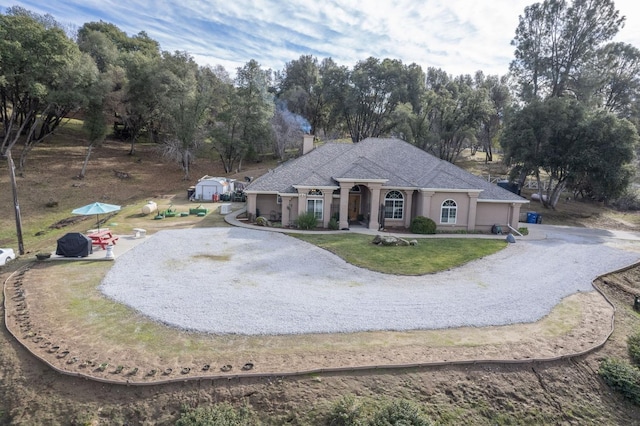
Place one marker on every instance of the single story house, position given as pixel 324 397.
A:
pixel 382 183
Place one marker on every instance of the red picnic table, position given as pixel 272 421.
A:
pixel 102 238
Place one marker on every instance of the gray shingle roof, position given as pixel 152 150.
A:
pixel 400 163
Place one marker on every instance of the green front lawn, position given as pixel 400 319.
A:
pixel 429 256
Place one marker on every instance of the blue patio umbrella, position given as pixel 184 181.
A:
pixel 97 209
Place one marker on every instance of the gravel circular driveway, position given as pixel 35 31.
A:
pixel 243 281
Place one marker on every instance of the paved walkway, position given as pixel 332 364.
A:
pixel 232 219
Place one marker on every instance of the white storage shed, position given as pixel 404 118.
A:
pixel 208 187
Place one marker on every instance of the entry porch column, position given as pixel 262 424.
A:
pixel 408 207
pixel 251 204
pixel 344 205
pixel 302 203
pixel 285 208
pixel 473 204
pixel 374 208
pixel 424 208
pixel 326 207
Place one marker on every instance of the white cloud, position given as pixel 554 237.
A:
pixel 459 36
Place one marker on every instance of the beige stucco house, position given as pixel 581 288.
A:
pixel 380 183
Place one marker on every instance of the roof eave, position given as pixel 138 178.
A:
pixel 359 180
pixel 523 201
pixel 469 190
pixel 332 187
pixel 257 191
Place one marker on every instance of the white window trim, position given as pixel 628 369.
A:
pixel 394 207
pixel 453 207
pixel 315 201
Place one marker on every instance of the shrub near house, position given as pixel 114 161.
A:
pixel 423 225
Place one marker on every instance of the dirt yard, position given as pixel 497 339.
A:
pixel 565 391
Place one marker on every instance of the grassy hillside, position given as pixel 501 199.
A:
pixel 48 187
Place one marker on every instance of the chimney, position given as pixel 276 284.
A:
pixel 307 144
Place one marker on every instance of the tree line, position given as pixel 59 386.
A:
pixel 566 111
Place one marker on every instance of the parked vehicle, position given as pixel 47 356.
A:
pixel 6 254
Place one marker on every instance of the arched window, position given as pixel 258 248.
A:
pixel 448 212
pixel 315 203
pixel 393 205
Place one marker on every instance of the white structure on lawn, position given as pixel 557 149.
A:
pixel 209 186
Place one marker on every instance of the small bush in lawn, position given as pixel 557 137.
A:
pixel 262 221
pixel 633 345
pixel 623 377
pixel 423 225
pixel 345 412
pixel 399 412
pixel 307 221
pixel 222 414
pixel 333 224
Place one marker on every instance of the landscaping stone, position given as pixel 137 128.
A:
pixel 262 221
pixel 389 240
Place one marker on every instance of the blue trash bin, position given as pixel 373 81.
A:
pixel 532 217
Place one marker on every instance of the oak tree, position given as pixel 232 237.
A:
pixel 556 39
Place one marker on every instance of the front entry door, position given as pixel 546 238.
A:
pixel 354 207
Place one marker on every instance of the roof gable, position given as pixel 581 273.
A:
pixel 313 179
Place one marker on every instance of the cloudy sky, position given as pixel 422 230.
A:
pixel 459 36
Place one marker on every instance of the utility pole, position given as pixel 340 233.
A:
pixel 16 206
